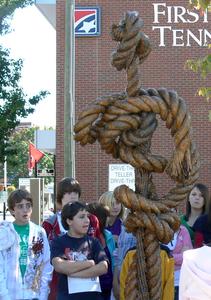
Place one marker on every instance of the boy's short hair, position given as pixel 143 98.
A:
pixel 70 210
pixel 67 185
pixel 17 196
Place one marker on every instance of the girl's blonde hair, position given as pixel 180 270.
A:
pixel 108 199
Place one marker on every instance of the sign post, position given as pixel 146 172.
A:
pixel 37 192
pixel 3 201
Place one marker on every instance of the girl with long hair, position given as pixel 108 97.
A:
pixel 196 205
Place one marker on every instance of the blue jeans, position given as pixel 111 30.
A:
pixel 176 293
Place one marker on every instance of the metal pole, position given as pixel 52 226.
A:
pixel 69 95
pixel 35 169
pixel 72 80
pixel 5 187
pixel 54 184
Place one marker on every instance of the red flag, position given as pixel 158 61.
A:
pixel 34 156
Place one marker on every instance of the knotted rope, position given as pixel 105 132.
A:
pixel 123 124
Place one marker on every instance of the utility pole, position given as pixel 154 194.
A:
pixel 69 95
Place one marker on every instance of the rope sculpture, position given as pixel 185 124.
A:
pixel 123 124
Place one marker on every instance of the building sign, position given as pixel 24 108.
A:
pixel 45 172
pixel 173 25
pixel 87 21
pixel 121 174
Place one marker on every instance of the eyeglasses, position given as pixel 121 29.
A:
pixel 22 206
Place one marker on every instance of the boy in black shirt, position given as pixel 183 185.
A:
pixel 78 258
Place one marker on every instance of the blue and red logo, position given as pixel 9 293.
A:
pixel 87 21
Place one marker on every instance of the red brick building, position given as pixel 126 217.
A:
pixel 176 35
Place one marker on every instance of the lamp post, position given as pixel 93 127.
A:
pixel 69 95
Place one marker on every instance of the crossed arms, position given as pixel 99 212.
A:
pixel 82 269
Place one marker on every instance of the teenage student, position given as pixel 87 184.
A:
pixel 196 205
pixel 78 258
pixel 24 253
pixel 68 191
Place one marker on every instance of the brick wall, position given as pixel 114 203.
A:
pixel 95 76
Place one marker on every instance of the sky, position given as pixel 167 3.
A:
pixel 33 39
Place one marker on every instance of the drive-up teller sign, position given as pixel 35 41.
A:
pixel 121 174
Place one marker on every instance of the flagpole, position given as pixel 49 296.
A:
pixel 35 169
pixel 69 95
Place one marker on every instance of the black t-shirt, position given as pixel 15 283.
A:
pixel 77 249
pixel 201 225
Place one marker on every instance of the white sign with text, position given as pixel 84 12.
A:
pixel 173 24
pixel 24 183
pixel 121 174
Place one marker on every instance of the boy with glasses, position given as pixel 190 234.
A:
pixel 24 253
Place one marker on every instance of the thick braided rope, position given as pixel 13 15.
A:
pixel 133 48
pixel 115 122
pixel 153 222
pixel 159 224
pixel 123 123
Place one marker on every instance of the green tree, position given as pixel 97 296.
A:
pixel 201 65
pixel 14 103
pixel 199 4
pixel 7 8
pixel 17 162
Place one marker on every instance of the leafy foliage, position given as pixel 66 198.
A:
pixel 17 161
pixel 201 65
pixel 200 4
pixel 13 102
pixel 7 8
